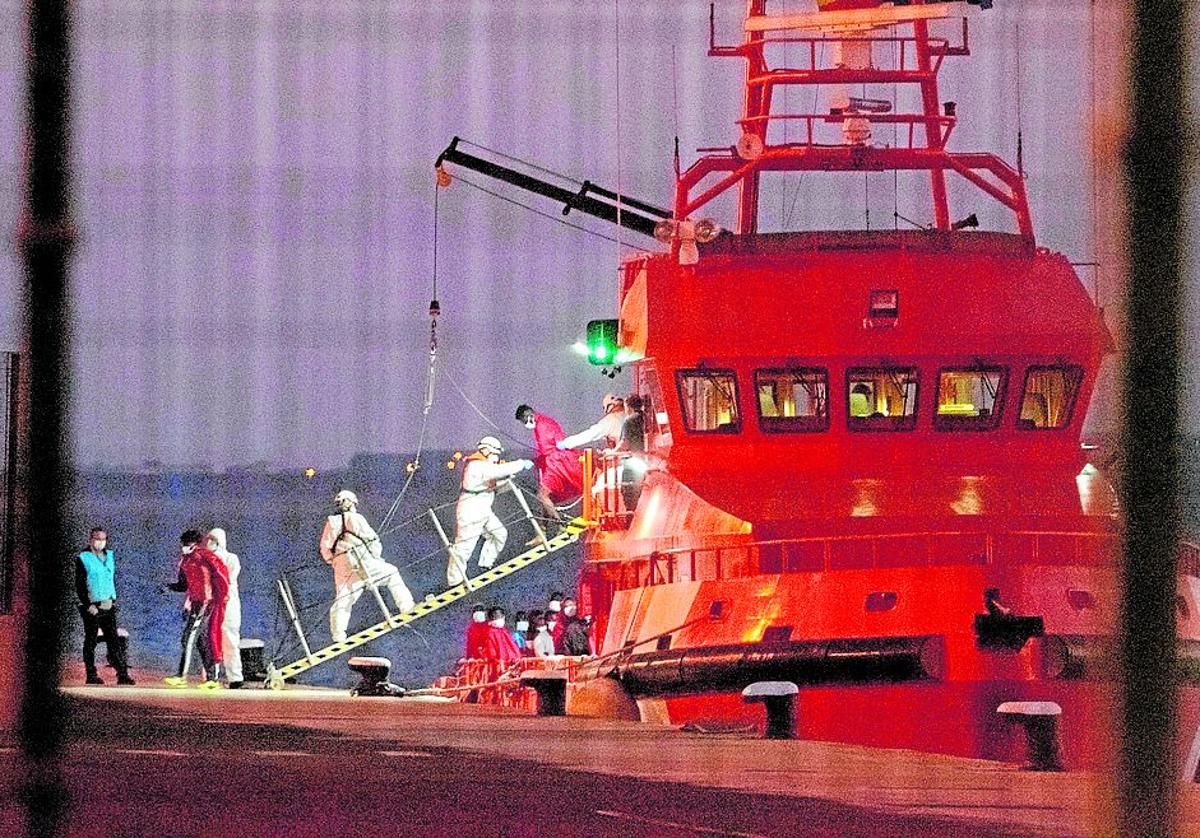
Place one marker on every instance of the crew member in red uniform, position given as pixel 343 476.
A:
pixel 560 478
pixel 206 581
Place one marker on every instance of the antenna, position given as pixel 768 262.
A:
pixel 675 97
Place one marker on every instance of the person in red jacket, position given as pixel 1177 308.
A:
pixel 477 633
pixel 206 581
pixel 560 477
pixel 499 648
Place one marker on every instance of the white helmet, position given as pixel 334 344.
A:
pixel 346 494
pixel 490 445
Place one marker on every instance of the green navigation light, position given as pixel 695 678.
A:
pixel 601 341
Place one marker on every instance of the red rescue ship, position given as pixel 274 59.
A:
pixel 863 469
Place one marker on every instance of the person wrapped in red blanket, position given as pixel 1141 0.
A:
pixel 206 582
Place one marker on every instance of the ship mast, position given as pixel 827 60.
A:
pixel 839 139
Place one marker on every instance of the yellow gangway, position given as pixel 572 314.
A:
pixel 569 535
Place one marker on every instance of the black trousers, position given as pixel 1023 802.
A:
pixel 196 634
pixel 93 625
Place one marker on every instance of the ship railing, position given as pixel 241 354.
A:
pixel 480 681
pixel 906 59
pixel 864 552
pixel 611 484
pixel 944 124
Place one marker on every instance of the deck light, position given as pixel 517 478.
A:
pixel 664 230
pixel 707 230
pixel 602 342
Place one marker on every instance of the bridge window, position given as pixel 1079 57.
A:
pixel 883 399
pixel 792 399
pixel 1049 397
pixel 970 400
pixel 709 401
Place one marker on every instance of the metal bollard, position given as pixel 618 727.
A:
pixel 779 698
pixel 1040 720
pixel 551 688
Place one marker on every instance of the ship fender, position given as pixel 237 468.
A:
pixel 807 663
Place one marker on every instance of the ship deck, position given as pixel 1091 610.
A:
pixel 149 760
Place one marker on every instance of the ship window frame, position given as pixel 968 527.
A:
pixel 883 424
pixel 734 427
pixel 952 424
pixel 792 424
pixel 1077 386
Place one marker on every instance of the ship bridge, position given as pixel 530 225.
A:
pixel 867 374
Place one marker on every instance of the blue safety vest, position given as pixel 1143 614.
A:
pixel 101 575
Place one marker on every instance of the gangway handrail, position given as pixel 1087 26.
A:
pixel 276 677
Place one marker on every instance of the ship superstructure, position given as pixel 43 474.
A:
pixel 863 471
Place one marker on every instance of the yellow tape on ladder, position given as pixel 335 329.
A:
pixel 569 535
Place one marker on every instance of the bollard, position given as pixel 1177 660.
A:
pixel 779 697
pixel 374 672
pixel 551 688
pixel 1040 720
pixel 254 666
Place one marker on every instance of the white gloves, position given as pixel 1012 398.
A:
pixel 526 465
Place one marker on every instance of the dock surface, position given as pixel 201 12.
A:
pixel 147 760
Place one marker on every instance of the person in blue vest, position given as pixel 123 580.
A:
pixel 95 585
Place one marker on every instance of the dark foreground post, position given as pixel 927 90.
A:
pixel 46 236
pixel 1155 167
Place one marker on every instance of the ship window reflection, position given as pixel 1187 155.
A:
pixel 792 399
pixel 709 401
pixel 1049 397
pixel 883 399
pixel 970 400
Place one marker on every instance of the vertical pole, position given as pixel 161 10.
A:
pixel 537 528
pixel 933 131
pixel 441 531
pixel 46 236
pixel 1155 167
pixel 589 512
pixel 285 592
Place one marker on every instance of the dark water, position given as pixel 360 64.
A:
pixel 274 522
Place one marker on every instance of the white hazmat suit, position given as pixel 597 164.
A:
pixel 231 626
pixel 481 473
pixel 352 547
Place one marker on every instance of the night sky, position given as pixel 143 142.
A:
pixel 255 193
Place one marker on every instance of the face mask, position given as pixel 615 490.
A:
pixel 554 605
pixel 498 622
pixel 187 549
pixel 522 625
pixel 569 610
pixel 99 544
pixel 530 424
pixel 479 616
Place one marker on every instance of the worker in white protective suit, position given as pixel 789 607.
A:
pixel 231 625
pixel 608 429
pixel 482 472
pixel 356 553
